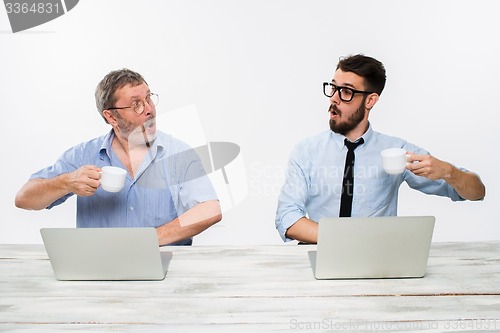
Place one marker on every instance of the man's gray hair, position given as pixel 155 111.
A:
pixel 105 92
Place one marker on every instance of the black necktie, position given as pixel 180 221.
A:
pixel 348 181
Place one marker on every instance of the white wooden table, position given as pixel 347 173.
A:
pixel 254 289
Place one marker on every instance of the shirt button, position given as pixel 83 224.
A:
pixel 131 208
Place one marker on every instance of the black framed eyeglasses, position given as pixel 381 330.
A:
pixel 346 94
pixel 138 106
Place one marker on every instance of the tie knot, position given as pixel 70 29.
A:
pixel 352 145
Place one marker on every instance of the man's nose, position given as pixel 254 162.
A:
pixel 148 109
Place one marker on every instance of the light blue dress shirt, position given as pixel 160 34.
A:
pixel 313 185
pixel 170 181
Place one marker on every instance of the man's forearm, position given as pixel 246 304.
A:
pixel 191 223
pixel 39 193
pixel 467 184
pixel 304 230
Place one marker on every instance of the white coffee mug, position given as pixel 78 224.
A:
pixel 394 160
pixel 112 178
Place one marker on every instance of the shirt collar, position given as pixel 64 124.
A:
pixel 106 145
pixel 157 146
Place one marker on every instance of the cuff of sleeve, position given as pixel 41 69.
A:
pixel 286 222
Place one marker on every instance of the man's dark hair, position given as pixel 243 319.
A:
pixel 370 69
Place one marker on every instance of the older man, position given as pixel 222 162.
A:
pixel 166 186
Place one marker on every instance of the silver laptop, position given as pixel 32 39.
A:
pixel 372 247
pixel 105 253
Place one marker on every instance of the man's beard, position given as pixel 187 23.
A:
pixel 350 123
pixel 137 135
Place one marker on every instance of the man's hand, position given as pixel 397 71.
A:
pixel 84 181
pixel 428 166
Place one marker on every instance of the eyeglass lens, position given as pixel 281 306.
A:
pixel 345 94
pixel 151 99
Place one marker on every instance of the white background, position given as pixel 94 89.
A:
pixel 253 70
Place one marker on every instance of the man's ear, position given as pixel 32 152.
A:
pixel 109 116
pixel 371 100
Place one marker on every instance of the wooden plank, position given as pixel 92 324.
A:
pixel 284 312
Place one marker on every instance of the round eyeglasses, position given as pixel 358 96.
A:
pixel 138 106
pixel 346 94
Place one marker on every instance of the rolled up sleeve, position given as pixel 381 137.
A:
pixel 294 194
